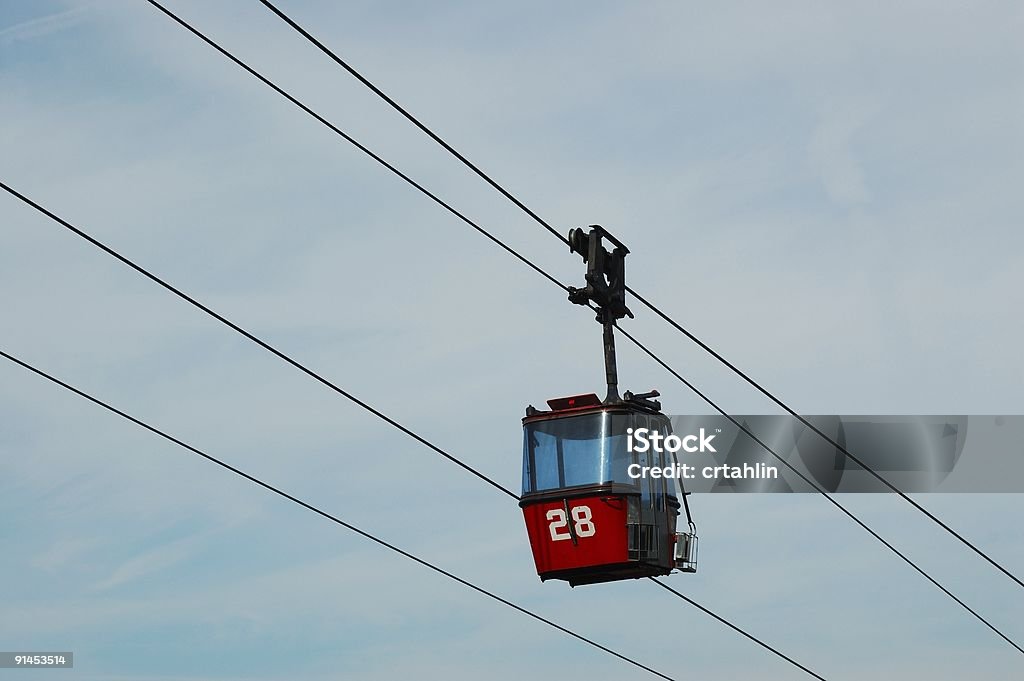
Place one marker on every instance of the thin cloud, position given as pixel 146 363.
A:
pixel 43 26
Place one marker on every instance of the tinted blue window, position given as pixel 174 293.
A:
pixel 579 450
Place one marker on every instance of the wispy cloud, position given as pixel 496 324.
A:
pixel 831 150
pixel 147 563
pixel 44 25
pixel 65 551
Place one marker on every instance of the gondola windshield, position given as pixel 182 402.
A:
pixel 583 450
pixel 589 449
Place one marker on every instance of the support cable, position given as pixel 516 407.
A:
pixel 740 631
pixel 337 520
pixel 67 225
pixel 821 490
pixel 704 346
pixel 348 138
pixel 138 268
pixel 412 119
pixel 258 341
pixel 906 497
pixel 464 219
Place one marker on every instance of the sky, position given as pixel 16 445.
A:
pixel 827 193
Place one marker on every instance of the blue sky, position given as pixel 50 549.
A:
pixel 827 193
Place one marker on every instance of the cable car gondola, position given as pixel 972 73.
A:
pixel 587 519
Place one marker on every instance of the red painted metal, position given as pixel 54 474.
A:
pixel 574 402
pixel 552 542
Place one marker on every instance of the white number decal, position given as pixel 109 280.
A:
pixel 583 523
pixel 557 518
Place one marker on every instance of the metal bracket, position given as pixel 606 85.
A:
pixel 605 290
pixel 606 273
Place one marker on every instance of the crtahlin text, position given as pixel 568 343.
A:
pixel 757 471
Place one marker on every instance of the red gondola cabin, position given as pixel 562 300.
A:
pixel 589 521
